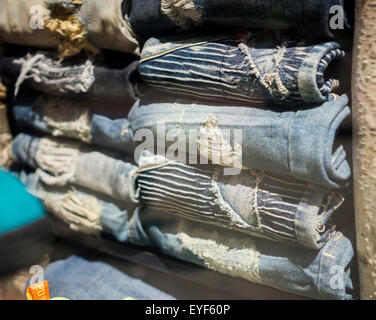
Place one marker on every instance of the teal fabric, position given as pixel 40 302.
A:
pixel 18 208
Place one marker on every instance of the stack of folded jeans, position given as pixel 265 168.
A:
pixel 217 147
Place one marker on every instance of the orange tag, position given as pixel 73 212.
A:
pixel 38 291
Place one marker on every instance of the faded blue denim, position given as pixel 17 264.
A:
pixel 89 212
pixel 323 274
pixel 150 18
pixel 253 68
pixel 65 162
pixel 298 143
pixel 77 278
pixel 80 120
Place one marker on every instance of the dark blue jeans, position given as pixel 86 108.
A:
pixel 151 18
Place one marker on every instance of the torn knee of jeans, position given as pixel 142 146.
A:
pixel 184 13
pixel 237 262
pixel 82 212
pixel 56 161
pixel 214 146
pixel 73 124
pixel 67 29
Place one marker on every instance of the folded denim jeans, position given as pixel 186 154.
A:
pixel 68 25
pixel 298 143
pixel 89 212
pixel 323 274
pixel 65 162
pixel 79 78
pixel 82 278
pixel 257 68
pixel 93 123
pixel 253 202
pixel 150 18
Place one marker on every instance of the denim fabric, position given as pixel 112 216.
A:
pixel 151 18
pixel 298 143
pixel 77 278
pixel 82 120
pixel 258 68
pixel 64 162
pixel 253 202
pixel 89 212
pixel 80 78
pixel 102 22
pixel 323 274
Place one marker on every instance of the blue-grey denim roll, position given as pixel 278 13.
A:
pixel 298 143
pixel 77 78
pixel 309 18
pixel 252 68
pixel 64 162
pixel 323 274
pixel 89 212
pixel 85 121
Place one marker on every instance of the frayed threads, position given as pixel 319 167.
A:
pixel 183 13
pixel 67 29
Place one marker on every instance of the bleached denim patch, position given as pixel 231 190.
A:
pixel 322 274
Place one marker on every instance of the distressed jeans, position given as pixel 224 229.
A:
pixel 68 25
pixel 99 124
pixel 299 143
pixel 254 202
pixel 80 78
pixel 253 68
pixel 321 274
pixel 284 142
pixel 150 18
pixel 60 163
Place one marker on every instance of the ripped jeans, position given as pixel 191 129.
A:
pixel 254 202
pixel 254 68
pixel 298 143
pixel 322 274
pixel 284 142
pixel 69 25
pixel 80 78
pixel 150 18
